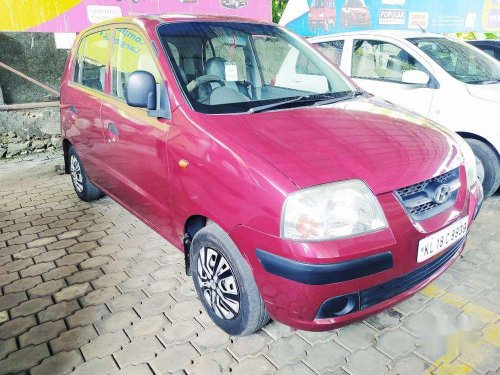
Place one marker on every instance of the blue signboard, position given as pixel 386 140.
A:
pixel 319 17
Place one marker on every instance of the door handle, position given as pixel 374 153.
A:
pixel 113 133
pixel 72 108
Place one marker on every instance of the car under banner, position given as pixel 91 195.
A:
pixel 71 16
pixel 319 17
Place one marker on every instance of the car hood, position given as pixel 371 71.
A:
pixel 489 92
pixel 368 139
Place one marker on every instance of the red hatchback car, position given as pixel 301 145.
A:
pixel 314 207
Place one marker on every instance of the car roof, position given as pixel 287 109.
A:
pixel 142 20
pixel 397 34
pixel 491 42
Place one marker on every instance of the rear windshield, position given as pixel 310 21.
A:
pixel 460 60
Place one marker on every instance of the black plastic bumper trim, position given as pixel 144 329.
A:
pixel 382 292
pixel 320 274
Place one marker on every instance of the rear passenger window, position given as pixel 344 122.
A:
pixel 92 67
pixel 130 53
pixel 332 50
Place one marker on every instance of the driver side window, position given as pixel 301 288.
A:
pixel 130 53
pixel 382 61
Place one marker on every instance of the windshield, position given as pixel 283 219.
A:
pixel 461 61
pixel 227 67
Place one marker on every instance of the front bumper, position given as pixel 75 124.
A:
pixel 299 282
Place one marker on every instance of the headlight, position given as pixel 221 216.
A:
pixel 335 210
pixel 469 161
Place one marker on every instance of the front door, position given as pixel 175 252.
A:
pixel 136 143
pixel 377 66
pixel 85 93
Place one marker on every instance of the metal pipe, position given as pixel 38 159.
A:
pixel 13 107
pixel 32 80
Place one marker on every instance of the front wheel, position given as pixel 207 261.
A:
pixel 85 189
pixel 488 166
pixel 225 284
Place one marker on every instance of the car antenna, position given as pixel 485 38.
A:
pixel 421 28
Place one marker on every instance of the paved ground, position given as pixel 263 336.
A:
pixel 89 288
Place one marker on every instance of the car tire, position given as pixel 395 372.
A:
pixel 213 253
pixel 85 189
pixel 489 161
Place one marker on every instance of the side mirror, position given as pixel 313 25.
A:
pixel 415 77
pixel 141 90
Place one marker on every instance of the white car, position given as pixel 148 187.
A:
pixel 444 79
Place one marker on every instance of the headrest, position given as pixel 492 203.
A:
pixel 216 67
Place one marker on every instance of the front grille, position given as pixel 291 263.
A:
pixel 383 292
pixel 419 199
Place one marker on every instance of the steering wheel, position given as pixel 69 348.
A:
pixel 195 83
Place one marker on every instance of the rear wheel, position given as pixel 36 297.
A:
pixel 225 284
pixel 488 166
pixel 85 189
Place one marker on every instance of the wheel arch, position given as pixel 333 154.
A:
pixel 193 225
pixel 479 138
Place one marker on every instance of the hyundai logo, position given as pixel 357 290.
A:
pixel 442 193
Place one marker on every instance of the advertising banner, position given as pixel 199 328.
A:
pixel 70 16
pixel 318 17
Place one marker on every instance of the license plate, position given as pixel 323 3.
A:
pixel 437 242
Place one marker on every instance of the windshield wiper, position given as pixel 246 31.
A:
pixel 350 95
pixel 265 107
pixel 325 99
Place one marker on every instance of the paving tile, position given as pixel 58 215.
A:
pixel 99 296
pixel 96 366
pixel 387 319
pixel 409 365
pixel 58 311
pixel 104 345
pixel 126 300
pixel 298 368
pixel 396 343
pixel 84 276
pixel 254 366
pixel 17 326
pixel 135 370
pixel 82 247
pixel 286 350
pixel 7 278
pixel 31 307
pixel 173 359
pixel 369 358
pixel 72 292
pixel 86 316
pixel 46 288
pixel 24 359
pixel 37 269
pixel 6 347
pixel 210 339
pixel 109 280
pixel 249 346
pixel 154 305
pixel 117 321
pixel 356 336
pixel 73 339
pixel 210 364
pixel 138 351
pixel 326 356
pixel 42 333
pixel 59 272
pixel 22 284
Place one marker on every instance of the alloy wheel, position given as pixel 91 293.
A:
pixel 76 173
pixel 218 283
pixel 480 169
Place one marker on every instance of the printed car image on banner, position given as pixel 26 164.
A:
pixel 318 17
pixel 75 15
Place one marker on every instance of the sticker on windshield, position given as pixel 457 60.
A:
pixel 231 72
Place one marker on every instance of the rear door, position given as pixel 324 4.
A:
pixel 377 66
pixel 86 92
pixel 136 143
